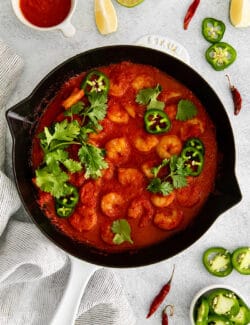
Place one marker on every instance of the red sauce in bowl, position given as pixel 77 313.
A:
pixel 45 13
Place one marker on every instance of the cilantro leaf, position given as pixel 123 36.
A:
pixel 98 108
pixel 156 185
pixel 62 133
pixel 122 231
pixel 75 109
pixel 179 181
pixel 176 178
pixel 54 158
pixel 93 159
pixel 185 110
pixel 148 96
pixel 72 165
pixel 51 181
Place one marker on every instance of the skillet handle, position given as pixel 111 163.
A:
pixel 80 274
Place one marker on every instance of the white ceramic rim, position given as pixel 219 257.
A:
pixel 20 16
pixel 207 289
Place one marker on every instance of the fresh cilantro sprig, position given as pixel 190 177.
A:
pixel 95 111
pixel 92 158
pixel 122 230
pixel 176 177
pixel 60 135
pixel 148 97
pixel 185 110
pixel 51 180
pixel 52 176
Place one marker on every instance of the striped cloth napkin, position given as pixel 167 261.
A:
pixel 33 271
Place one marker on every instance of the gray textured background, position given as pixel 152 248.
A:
pixel 43 51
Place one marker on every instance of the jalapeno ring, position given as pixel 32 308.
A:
pixel 156 121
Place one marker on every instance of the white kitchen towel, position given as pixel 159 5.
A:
pixel 33 271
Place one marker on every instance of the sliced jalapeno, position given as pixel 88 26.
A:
pixel 70 199
pixel 65 205
pixel 243 316
pixel 223 302
pixel 202 312
pixel 241 260
pixel 195 143
pixel 156 121
pixel 217 261
pixel 220 55
pixel 95 82
pixel 64 212
pixel 218 320
pixel 193 160
pixel 213 29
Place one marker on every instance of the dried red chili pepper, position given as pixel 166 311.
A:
pixel 164 319
pixel 160 296
pixel 236 97
pixel 190 13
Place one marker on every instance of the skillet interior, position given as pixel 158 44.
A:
pixel 22 120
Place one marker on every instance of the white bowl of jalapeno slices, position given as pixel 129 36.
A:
pixel 219 305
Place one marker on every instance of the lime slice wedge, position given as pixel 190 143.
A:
pixel 129 3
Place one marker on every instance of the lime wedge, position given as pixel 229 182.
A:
pixel 129 3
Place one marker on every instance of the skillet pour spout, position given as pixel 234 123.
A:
pixel 22 120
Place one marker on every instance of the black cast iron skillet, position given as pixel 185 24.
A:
pixel 22 119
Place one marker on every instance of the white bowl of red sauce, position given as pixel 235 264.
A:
pixel 46 15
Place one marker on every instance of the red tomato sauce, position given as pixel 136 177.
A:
pixel 45 13
pixel 122 192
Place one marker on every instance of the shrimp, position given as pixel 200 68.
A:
pixel 108 173
pixel 143 209
pixel 118 89
pixel 162 201
pixel 145 144
pixel 89 192
pixel 168 146
pixel 84 218
pixel 117 114
pixel 147 169
pixel 118 150
pixel 192 128
pixel 106 233
pixel 130 176
pixel 171 111
pixel 111 204
pixel 189 195
pixel 130 109
pixel 143 81
pixel 168 219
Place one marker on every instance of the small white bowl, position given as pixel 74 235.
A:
pixel 208 290
pixel 65 26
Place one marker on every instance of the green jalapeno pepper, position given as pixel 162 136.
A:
pixel 220 55
pixel 217 261
pixel 218 320
pixel 202 312
pixel 241 260
pixel 65 204
pixel 156 121
pixel 213 29
pixel 95 82
pixel 243 316
pixel 193 160
pixel 195 143
pixel 70 199
pixel 64 212
pixel 223 302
